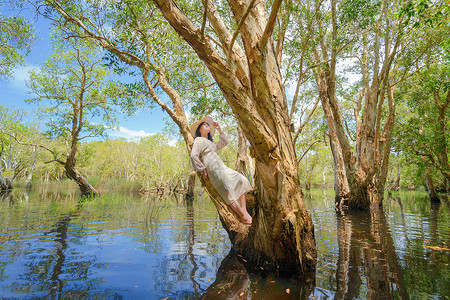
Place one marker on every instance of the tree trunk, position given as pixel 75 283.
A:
pixel 30 173
pixel 360 174
pixel 281 238
pixel 86 189
pixel 431 188
pixel 190 185
pixel 242 160
pixel 5 184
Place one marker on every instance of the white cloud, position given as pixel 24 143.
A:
pixel 21 75
pixel 130 134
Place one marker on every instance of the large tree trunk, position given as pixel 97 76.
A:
pixel 242 157
pixel 281 238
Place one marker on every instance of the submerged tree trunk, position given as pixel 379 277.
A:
pixel 431 188
pixel 85 187
pixel 360 173
pixel 281 238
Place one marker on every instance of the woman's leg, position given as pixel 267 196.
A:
pixel 241 210
pixel 243 201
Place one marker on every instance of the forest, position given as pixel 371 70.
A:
pixel 348 95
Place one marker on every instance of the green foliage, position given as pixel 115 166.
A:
pixel 16 37
pixel 15 158
pixel 76 92
pixel 423 13
pixel 359 12
pixel 422 130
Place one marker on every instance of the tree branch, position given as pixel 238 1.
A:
pixel 299 130
pixel 307 150
pixel 205 13
pixel 32 144
pixel 241 22
pixel 270 24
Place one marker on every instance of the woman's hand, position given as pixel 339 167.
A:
pixel 205 174
pixel 217 126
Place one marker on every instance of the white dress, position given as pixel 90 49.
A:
pixel 227 182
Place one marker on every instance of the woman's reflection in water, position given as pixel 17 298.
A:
pixel 366 249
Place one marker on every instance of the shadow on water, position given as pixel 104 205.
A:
pixel 236 279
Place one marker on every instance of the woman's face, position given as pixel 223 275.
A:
pixel 204 129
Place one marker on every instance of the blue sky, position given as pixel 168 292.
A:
pixel 14 91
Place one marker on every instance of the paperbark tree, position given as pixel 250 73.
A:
pixel 75 85
pixel 281 238
pixel 385 42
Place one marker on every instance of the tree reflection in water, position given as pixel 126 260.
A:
pixel 366 252
pixel 235 279
pixel 191 242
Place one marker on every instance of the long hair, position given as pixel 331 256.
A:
pixel 198 134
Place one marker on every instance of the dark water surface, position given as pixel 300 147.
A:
pixel 125 246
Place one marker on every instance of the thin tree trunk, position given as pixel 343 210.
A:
pixel 33 164
pixel 190 185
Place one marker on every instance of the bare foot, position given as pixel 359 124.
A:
pixel 247 220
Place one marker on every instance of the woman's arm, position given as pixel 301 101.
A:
pixel 223 140
pixel 195 155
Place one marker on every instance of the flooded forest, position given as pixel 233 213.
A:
pixel 335 112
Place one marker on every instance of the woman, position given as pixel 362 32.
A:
pixel 230 184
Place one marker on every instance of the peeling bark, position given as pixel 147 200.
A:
pixel 281 238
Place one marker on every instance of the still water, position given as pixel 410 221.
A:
pixel 128 246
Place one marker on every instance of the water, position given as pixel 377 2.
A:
pixel 125 246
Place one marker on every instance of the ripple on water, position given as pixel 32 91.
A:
pixel 156 250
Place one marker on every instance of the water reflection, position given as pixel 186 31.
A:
pixel 191 242
pixel 122 245
pixel 232 279
pixel 235 279
pixel 367 255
